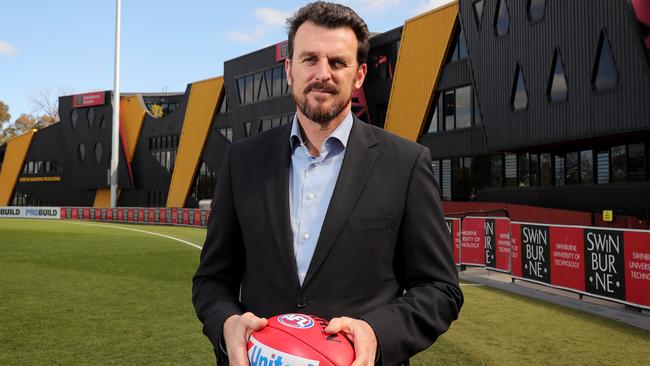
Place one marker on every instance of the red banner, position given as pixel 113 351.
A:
pixel 88 99
pixel 473 241
pixel 567 258
pixel 637 267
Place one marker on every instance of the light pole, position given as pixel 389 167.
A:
pixel 115 145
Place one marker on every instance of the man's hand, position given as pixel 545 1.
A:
pixel 236 331
pixel 361 335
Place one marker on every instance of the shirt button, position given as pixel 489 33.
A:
pixel 306 236
pixel 310 196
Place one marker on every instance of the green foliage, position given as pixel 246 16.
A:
pixel 81 293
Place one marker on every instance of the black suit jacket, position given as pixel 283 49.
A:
pixel 383 255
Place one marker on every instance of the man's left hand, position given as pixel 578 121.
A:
pixel 360 334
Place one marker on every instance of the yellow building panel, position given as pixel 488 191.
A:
pixel 17 149
pixel 201 107
pixel 132 111
pixel 420 59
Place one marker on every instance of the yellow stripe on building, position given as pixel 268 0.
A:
pixel 15 154
pixel 201 107
pixel 421 56
pixel 133 112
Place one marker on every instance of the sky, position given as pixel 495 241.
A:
pixel 67 47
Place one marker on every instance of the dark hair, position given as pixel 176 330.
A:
pixel 331 16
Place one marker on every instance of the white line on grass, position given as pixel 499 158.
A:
pixel 139 231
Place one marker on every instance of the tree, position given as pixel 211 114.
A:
pixel 46 104
pixel 4 113
pixel 21 125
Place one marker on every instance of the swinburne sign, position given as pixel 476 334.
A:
pixel 30 212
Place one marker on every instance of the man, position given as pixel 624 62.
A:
pixel 328 216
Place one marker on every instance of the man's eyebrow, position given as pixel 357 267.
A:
pixel 307 53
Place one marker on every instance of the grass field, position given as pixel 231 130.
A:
pixel 87 293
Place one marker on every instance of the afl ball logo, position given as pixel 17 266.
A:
pixel 297 321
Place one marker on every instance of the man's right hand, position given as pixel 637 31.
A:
pixel 236 331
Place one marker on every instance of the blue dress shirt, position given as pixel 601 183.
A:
pixel 311 184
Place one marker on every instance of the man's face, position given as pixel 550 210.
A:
pixel 323 71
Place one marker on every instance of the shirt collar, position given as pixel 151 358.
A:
pixel 340 133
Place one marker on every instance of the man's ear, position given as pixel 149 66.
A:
pixel 360 76
pixel 287 69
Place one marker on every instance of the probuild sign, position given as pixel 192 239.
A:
pixel 53 213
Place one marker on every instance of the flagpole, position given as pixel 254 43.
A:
pixel 115 145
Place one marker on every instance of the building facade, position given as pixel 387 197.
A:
pixel 533 102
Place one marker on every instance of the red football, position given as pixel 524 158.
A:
pixel 298 340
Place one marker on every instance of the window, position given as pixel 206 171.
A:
pixel 523 167
pixel 586 167
pixel 618 164
pixel 502 19
pixel 453 109
pixel 511 170
pixel 602 167
pixel 463 107
pixel 435 166
pixel 247 128
pixel 557 91
pixel 519 95
pixel 433 124
pixel 496 170
pixel 226 132
pixel 206 180
pixel 460 47
pixel 224 108
pixel 572 168
pixel 261 85
pixel 74 116
pixel 81 151
pixel 478 13
pixel 446 179
pixel 546 169
pixel 99 151
pixel 636 164
pixel 449 104
pixel 559 170
pixel 91 117
pixel 456 179
pixel 536 10
pixel 605 73
pixel 534 169
pixel 477 110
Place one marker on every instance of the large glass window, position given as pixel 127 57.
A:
pixel 464 107
pixel 534 169
pixel 618 163
pixel 433 124
pixel 636 167
pixel 572 168
pixel 586 167
pixel 524 170
pixel 456 179
pixel 496 170
pixel 482 171
pixel 460 47
pixel 478 13
pixel 546 169
pixel 449 109
pixel 435 166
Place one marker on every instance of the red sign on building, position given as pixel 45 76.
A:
pixel 88 99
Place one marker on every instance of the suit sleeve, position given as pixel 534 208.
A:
pixel 215 286
pixel 426 271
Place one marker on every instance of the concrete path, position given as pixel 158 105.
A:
pixel 595 306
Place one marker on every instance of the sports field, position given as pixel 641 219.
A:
pixel 98 294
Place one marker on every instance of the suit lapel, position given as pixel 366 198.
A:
pixel 276 185
pixel 357 164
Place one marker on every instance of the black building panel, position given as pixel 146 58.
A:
pixel 573 28
pixel 454 74
pixel 456 143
